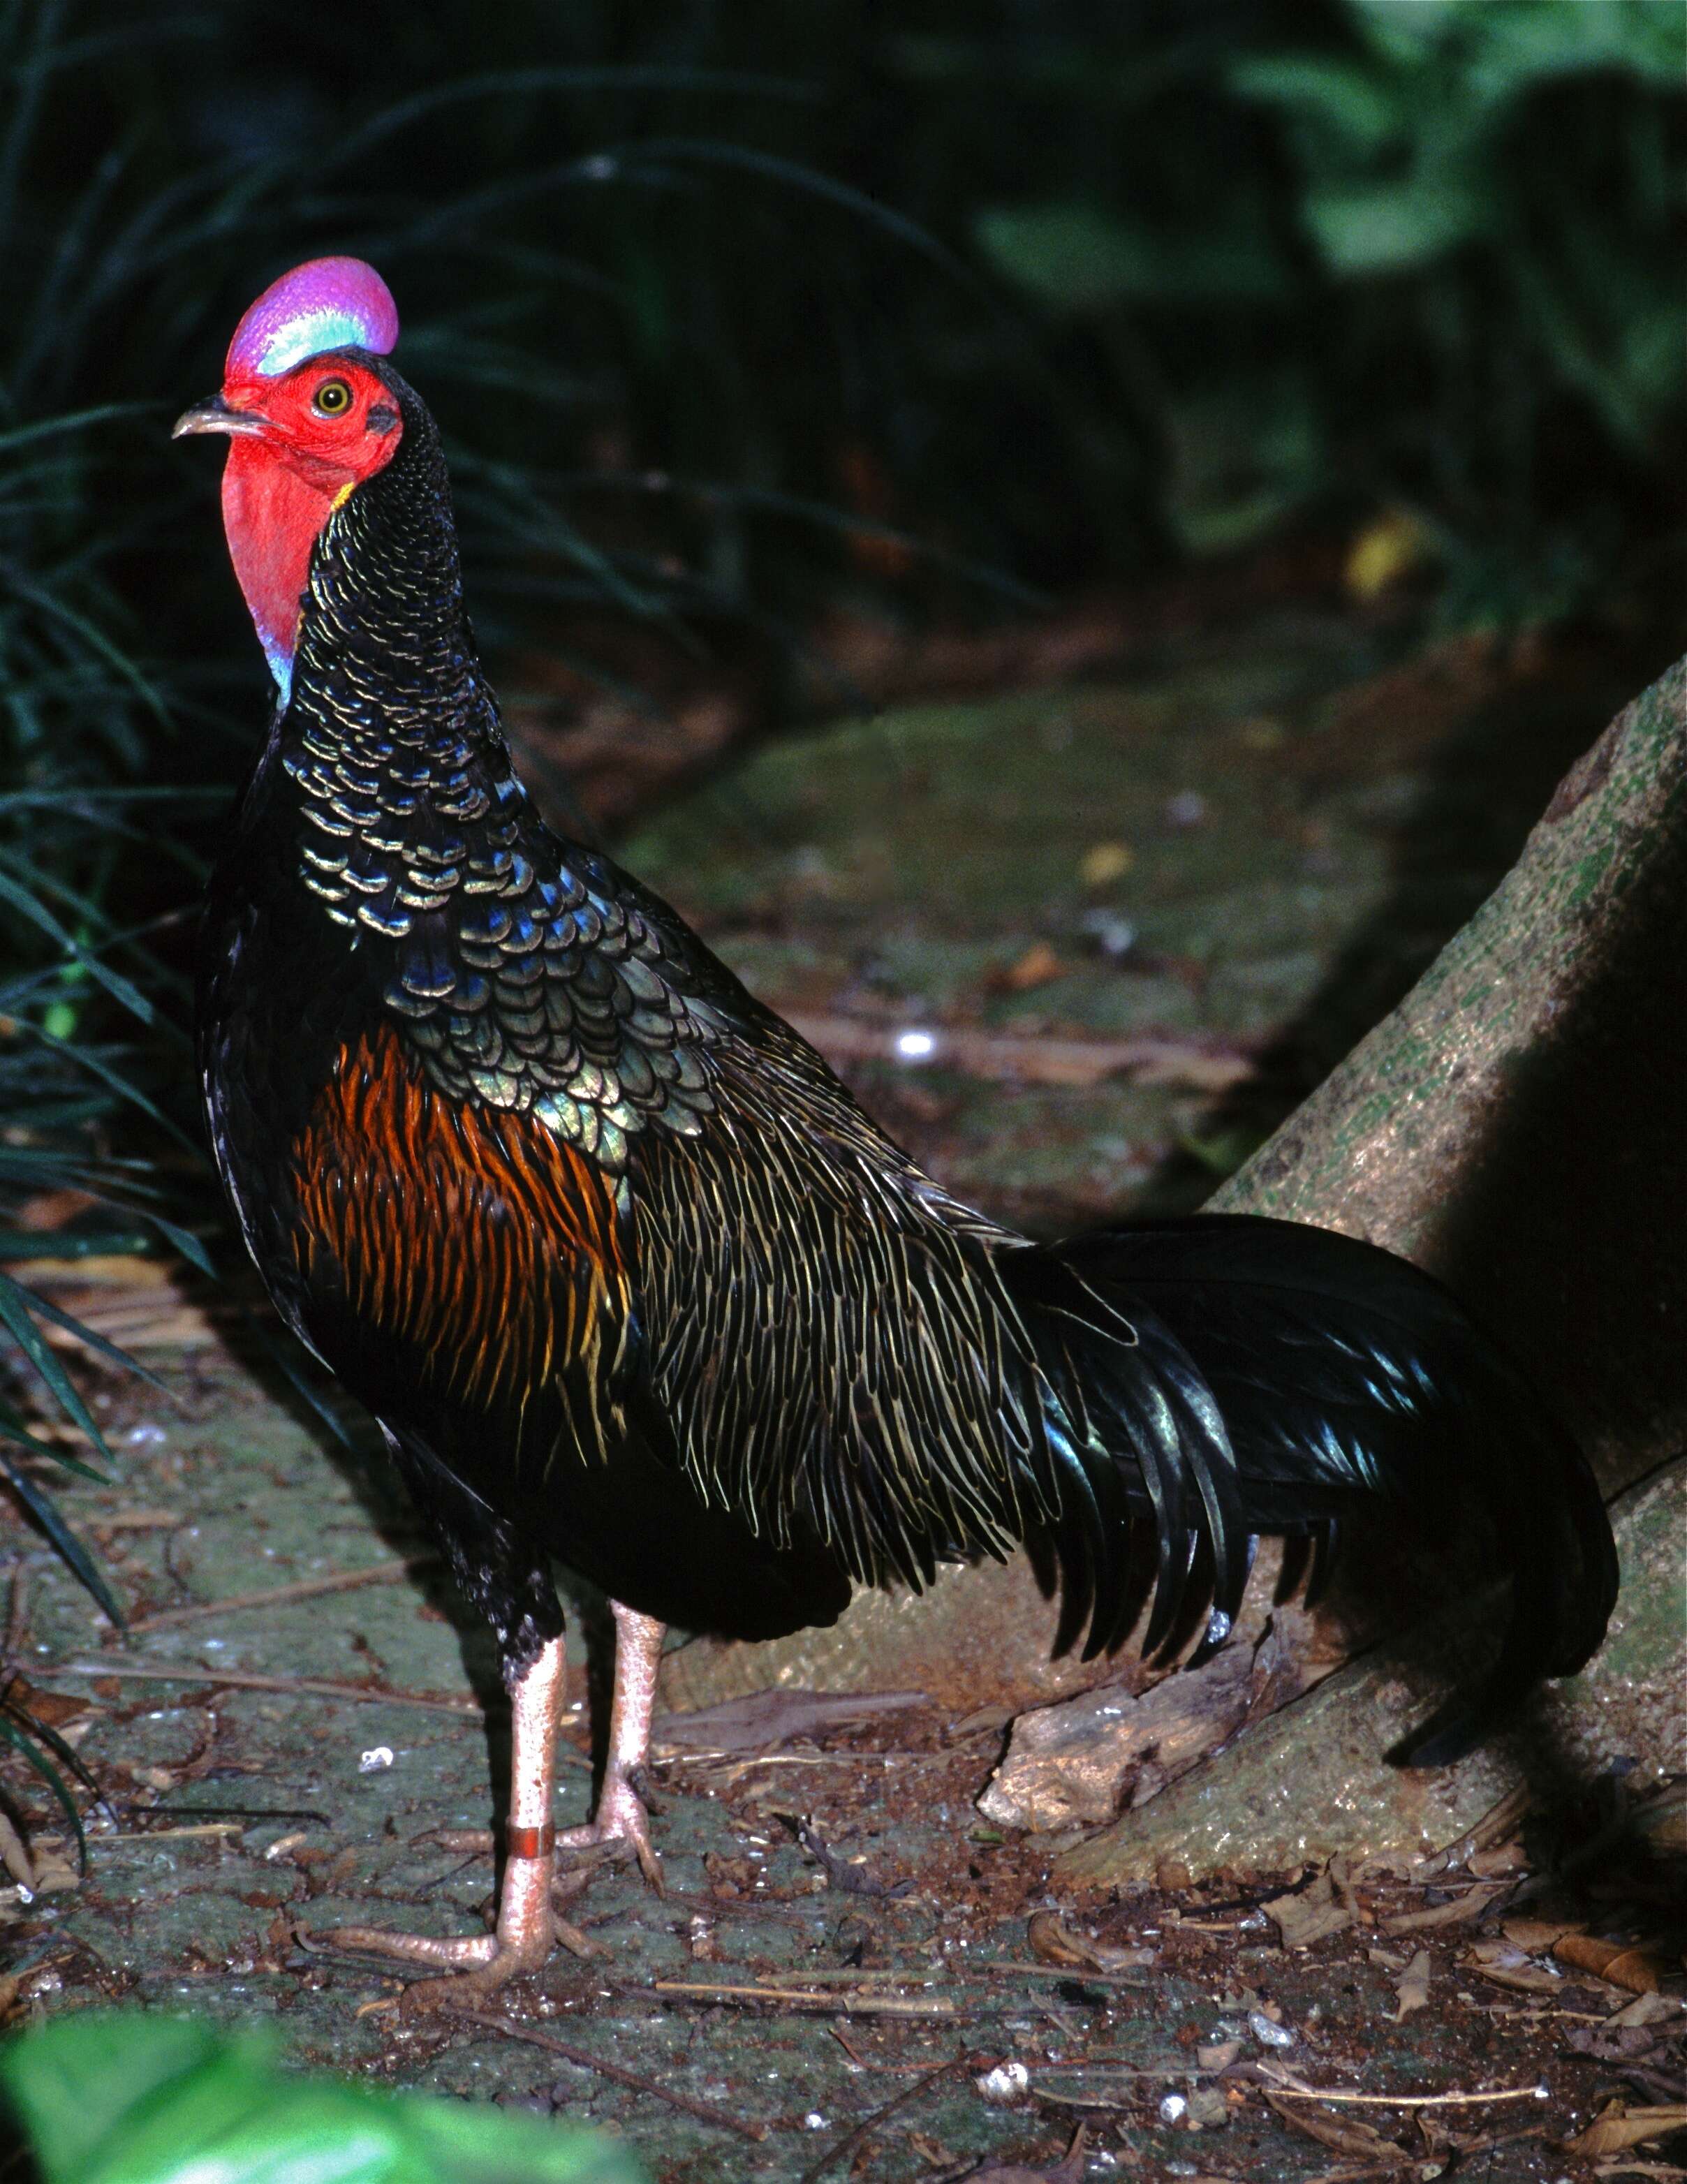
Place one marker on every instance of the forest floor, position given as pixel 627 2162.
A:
pixel 1080 946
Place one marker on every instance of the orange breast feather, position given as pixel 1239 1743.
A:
pixel 472 1236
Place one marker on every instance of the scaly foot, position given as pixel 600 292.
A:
pixel 620 1820
pixel 481 1964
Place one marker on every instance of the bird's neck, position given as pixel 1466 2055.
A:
pixel 390 736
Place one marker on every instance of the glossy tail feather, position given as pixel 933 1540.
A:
pixel 1225 1376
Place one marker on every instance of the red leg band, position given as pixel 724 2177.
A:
pixel 529 1842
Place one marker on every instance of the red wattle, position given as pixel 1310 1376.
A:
pixel 273 517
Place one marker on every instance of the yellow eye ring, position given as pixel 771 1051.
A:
pixel 332 398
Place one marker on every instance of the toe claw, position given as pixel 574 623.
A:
pixel 619 1824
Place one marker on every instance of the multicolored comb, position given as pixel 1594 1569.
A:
pixel 326 304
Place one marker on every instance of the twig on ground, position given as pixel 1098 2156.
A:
pixel 1289 2088
pixel 579 2057
pixel 865 2129
pixel 844 1975
pixel 16 1613
pixel 851 2049
pixel 739 1907
pixel 307 1588
pixel 321 1687
pixel 167 1835
pixel 861 2005
pixel 853 1879
pixel 1011 1968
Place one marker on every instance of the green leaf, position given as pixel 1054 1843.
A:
pixel 1394 227
pixel 1356 104
pixel 1076 257
pixel 128 2097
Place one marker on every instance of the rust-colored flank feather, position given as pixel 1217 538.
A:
pixel 475 1237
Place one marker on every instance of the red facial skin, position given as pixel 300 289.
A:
pixel 289 466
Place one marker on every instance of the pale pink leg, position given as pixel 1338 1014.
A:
pixel 525 1925
pixel 620 1816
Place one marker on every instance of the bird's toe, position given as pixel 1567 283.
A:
pixel 621 1824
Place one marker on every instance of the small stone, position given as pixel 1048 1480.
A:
pixel 1267 2034
pixel 1173 2108
pixel 1172 1874
pixel 1007 2083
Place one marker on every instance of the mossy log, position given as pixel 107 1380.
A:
pixel 1519 1126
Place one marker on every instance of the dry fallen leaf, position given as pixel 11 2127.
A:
pixel 14 1855
pixel 55 1869
pixel 1039 966
pixel 1104 861
pixel 1470 1905
pixel 1505 1858
pixel 1343 2134
pixel 55 1709
pixel 1534 1934
pixel 1412 1987
pixel 1624 1963
pixel 1325 1907
pixel 1646 2009
pixel 1618 2127
pixel 1069 2169
pixel 764 1721
pixel 1506 1965
pixel 1391 548
pixel 1054 1942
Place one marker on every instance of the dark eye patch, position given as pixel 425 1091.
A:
pixel 381 418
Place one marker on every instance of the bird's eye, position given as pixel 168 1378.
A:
pixel 332 398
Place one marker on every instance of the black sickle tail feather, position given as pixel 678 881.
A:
pixel 1225 1376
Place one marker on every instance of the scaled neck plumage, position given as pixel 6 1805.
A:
pixel 389 730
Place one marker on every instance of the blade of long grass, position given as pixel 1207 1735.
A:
pixel 13 1426
pixel 23 1744
pixel 27 906
pixel 95 1341
pixel 65 1544
pixel 83 1056
pixel 503 83
pixel 17 1306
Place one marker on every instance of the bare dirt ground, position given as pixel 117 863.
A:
pixel 1133 919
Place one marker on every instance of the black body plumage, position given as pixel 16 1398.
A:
pixel 632 1282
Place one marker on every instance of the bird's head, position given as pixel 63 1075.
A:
pixel 308 417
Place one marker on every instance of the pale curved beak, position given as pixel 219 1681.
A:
pixel 217 415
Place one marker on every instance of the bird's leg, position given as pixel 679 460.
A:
pixel 526 1926
pixel 620 1816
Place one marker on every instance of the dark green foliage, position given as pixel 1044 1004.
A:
pixel 1417 251
pixel 109 2097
